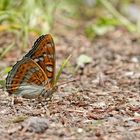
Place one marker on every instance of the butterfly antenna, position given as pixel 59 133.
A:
pixel 70 81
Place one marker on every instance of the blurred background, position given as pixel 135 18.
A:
pixel 22 22
pixel 92 17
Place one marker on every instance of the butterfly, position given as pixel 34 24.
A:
pixel 34 74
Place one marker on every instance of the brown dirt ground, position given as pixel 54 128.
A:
pixel 102 104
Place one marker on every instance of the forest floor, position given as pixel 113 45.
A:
pixel 103 103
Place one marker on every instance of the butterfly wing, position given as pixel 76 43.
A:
pixel 43 52
pixel 27 79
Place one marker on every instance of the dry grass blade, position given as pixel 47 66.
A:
pixel 18 119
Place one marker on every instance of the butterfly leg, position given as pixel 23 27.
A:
pixel 12 104
pixel 39 99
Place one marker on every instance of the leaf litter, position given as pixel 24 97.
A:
pixel 103 104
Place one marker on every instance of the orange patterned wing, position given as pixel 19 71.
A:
pixel 43 52
pixel 27 79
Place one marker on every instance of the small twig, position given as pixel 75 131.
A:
pixel 79 111
pixel 134 129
